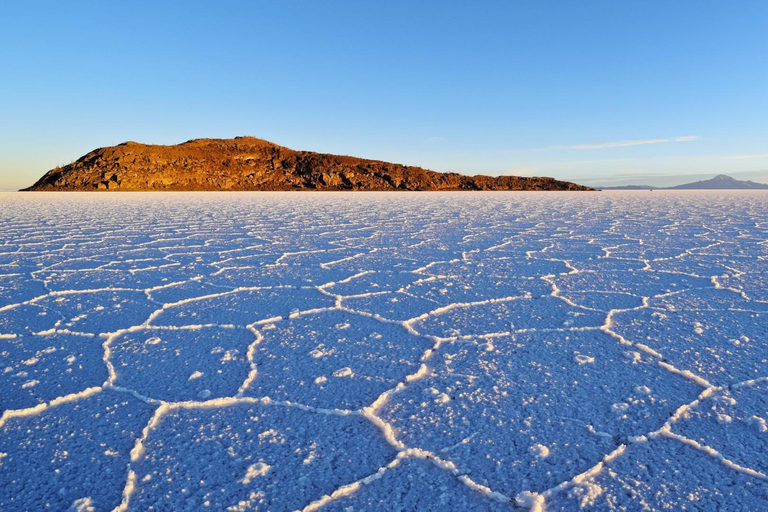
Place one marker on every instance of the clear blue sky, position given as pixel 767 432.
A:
pixel 590 90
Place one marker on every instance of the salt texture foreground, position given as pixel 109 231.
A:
pixel 384 351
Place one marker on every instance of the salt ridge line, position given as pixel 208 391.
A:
pixel 166 407
pixel 537 501
pixel 556 293
pixel 719 286
pixel 253 288
pixel 329 264
pixel 65 293
pixel 351 488
pixel 299 253
pixel 714 454
pixel 389 435
pixel 233 291
pixel 606 328
pixel 250 353
pixel 369 413
pixel 39 408
pixel 388 431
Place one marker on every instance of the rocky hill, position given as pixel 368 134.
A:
pixel 248 163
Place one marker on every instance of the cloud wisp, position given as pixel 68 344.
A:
pixel 640 142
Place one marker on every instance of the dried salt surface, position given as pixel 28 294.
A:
pixel 365 351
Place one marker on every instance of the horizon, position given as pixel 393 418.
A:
pixel 601 94
pixel 659 181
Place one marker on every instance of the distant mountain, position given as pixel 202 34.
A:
pixel 248 163
pixel 719 182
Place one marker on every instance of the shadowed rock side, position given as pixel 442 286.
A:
pixel 248 163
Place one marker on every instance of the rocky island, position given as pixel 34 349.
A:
pixel 249 163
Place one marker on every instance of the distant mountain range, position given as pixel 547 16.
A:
pixel 719 182
pixel 248 163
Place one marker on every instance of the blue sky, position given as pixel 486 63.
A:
pixel 594 91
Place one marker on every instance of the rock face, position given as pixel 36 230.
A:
pixel 248 163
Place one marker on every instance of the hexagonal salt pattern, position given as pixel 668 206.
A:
pixel 383 351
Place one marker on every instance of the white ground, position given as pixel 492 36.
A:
pixel 473 351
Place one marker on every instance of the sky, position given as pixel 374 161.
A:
pixel 596 91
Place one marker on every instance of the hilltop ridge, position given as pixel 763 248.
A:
pixel 249 163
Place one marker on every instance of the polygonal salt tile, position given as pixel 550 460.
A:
pixel 276 275
pixel 333 359
pixel 659 249
pixel 708 299
pixel 732 251
pixel 17 288
pixel 253 456
pixel 243 307
pixel 324 259
pixel 391 259
pixel 518 248
pixel 243 261
pixel 375 282
pixel 640 283
pixel 755 286
pixel 36 369
pixel 141 264
pixel 531 411
pixel 697 264
pixel 186 364
pixel 136 255
pixel 571 249
pixel 100 312
pixel 73 453
pixel 721 346
pixel 62 263
pixel 26 319
pixel 96 279
pixel 507 316
pixel 664 474
pixel 603 301
pixel 607 264
pixel 734 422
pixel 501 268
pixel 450 290
pixel 393 306
pixel 416 484
pixel 176 292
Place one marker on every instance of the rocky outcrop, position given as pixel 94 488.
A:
pixel 248 163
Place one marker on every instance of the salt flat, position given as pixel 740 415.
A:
pixel 384 351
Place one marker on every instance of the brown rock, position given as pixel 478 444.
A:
pixel 248 163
